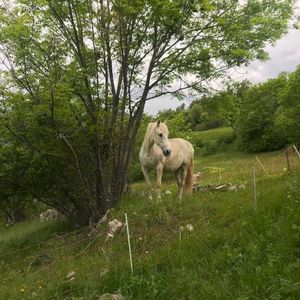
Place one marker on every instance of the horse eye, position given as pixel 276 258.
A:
pixel 160 134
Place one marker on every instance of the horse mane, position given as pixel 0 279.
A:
pixel 146 143
pixel 147 134
pixel 148 131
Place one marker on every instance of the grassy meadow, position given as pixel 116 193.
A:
pixel 231 251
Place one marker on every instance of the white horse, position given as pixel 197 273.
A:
pixel 160 153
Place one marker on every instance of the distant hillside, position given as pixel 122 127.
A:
pixel 211 141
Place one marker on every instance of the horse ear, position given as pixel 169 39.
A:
pixel 158 123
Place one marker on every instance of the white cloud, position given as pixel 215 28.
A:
pixel 284 57
pixel 164 102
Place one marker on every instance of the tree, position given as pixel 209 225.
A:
pixel 218 109
pixel 258 110
pixel 288 119
pixel 210 111
pixel 85 70
pixel 13 193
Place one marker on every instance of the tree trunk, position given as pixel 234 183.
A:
pixel 12 216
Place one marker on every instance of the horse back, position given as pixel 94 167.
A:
pixel 179 145
pixel 182 154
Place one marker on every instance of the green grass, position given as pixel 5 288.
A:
pixel 237 166
pixel 211 141
pixel 29 232
pixel 212 135
pixel 234 251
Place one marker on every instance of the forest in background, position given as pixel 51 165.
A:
pixel 264 117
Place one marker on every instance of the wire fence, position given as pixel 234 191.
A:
pixel 266 165
pixel 43 242
pixel 44 270
pixel 216 174
pixel 45 274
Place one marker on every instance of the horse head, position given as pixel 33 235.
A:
pixel 161 133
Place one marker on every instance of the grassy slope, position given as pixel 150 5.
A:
pixel 211 141
pixel 232 253
pixel 211 135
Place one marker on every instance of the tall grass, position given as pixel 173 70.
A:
pixel 233 252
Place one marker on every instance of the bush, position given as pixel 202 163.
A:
pixel 135 173
pixel 226 140
pixel 198 142
pixel 210 148
pixel 257 128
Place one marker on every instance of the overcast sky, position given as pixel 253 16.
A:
pixel 284 56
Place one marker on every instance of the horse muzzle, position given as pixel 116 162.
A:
pixel 167 152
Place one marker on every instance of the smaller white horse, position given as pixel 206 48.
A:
pixel 160 153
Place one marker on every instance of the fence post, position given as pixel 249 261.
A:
pixel 254 188
pixel 129 246
pixel 261 165
pixel 296 150
pixel 287 160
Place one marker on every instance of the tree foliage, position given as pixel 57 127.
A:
pixel 288 119
pixel 258 111
pixel 264 116
pixel 80 72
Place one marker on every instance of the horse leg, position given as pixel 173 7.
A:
pixel 183 172
pixel 159 172
pixel 148 181
pixel 178 177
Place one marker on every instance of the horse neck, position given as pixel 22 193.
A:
pixel 148 143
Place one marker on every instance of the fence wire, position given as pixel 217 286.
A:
pixel 90 255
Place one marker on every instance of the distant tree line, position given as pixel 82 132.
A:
pixel 264 116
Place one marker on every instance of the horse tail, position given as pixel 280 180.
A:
pixel 189 180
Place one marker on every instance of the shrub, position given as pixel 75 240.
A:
pixel 210 148
pixel 257 128
pixel 198 142
pixel 227 139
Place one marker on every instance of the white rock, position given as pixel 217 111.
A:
pixel 111 297
pixel 71 275
pixel 103 272
pixel 114 227
pixel 189 227
pixel 232 187
pixel 242 186
pixel 48 215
